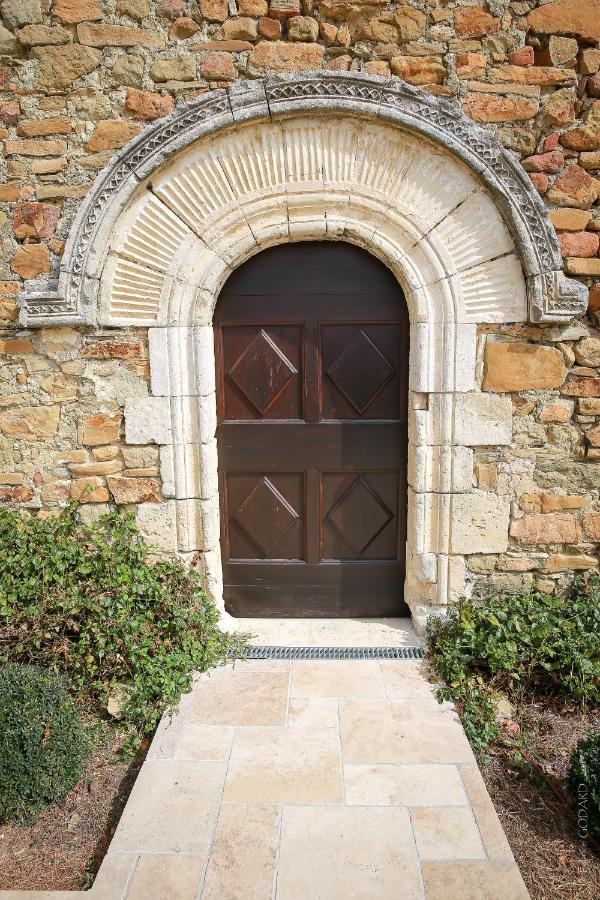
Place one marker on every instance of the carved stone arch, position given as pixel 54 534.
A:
pixel 74 296
pixel 322 156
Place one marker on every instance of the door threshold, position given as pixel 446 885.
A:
pixel 328 633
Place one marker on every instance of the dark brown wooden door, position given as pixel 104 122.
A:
pixel 312 365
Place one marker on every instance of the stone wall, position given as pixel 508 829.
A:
pixel 79 78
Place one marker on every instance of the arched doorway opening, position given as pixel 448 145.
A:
pixel 312 349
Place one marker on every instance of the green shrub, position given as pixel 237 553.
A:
pixel 43 744
pixel 523 644
pixel 86 600
pixel 583 782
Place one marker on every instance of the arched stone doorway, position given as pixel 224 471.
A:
pixel 325 157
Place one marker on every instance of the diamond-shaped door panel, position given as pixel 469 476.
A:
pixel 359 515
pixel 360 371
pixel 265 517
pixel 262 372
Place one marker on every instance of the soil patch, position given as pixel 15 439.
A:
pixel 536 814
pixel 63 848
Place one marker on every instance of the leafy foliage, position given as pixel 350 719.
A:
pixel 584 782
pixel 43 744
pixel 524 644
pixel 87 601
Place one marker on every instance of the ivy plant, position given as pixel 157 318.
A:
pixel 533 643
pixel 90 601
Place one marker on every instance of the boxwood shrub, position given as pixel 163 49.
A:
pixel 584 784
pixel 43 745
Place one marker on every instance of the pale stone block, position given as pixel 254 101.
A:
pixel 415 785
pixel 442 469
pixel 189 525
pixel 442 357
pixel 209 471
pixel 148 420
pixel 212 573
pixel 209 511
pixel 456 569
pixel 329 852
pixel 479 878
pixel 207 417
pixel 171 361
pixel 204 356
pixel 479 523
pixel 483 420
pixel 243 856
pixel 167 472
pixel 152 820
pixel 111 880
pixel 157 522
pixel 184 420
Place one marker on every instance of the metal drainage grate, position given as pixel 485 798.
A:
pixel 335 653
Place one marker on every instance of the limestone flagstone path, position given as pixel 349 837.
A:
pixel 312 779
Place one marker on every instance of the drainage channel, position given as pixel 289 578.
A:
pixel 274 652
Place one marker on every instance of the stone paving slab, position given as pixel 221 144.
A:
pixel 281 780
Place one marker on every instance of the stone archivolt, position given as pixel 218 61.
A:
pixel 401 107
pixel 419 209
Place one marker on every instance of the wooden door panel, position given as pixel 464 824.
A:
pixel 261 371
pixel 359 515
pixel 265 515
pixel 361 371
pixel 329 445
pixel 312 435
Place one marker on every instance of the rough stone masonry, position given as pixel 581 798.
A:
pixel 80 78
